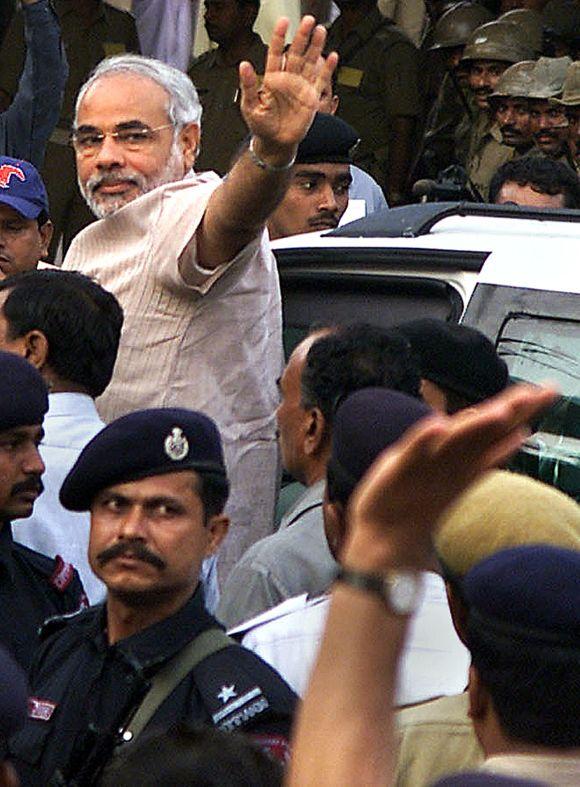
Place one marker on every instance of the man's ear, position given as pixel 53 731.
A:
pixel 334 526
pixel 36 348
pixel 46 232
pixel 459 612
pixel 189 138
pixel 316 432
pixel 477 695
pixel 218 526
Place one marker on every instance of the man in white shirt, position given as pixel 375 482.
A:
pixel 288 637
pixel 186 254
pixel 68 327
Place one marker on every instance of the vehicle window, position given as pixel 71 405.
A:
pixel 538 349
pixel 386 301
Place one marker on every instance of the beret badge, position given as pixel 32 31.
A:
pixel 176 445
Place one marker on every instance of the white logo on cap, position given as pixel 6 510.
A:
pixel 176 445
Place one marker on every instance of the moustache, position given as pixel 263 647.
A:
pixel 108 179
pixel 33 484
pixel 324 216
pixel 133 548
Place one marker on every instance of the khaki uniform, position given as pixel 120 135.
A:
pixel 87 42
pixel 435 739
pixel 566 158
pixel 486 153
pixel 222 125
pixel 377 79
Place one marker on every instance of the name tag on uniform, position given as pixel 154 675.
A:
pixel 113 48
pixel 41 710
pixel 351 77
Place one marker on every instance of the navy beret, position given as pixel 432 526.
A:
pixel 457 357
pixel 529 594
pixel 23 393
pixel 366 423
pixel 143 444
pixel 329 139
pixel 485 779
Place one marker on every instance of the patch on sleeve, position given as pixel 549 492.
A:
pixel 276 746
pixel 62 575
pixel 41 710
pixel 240 710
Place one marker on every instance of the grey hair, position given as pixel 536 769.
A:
pixel 183 105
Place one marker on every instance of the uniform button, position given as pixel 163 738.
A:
pixel 127 736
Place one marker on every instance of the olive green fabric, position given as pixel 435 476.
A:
pixel 377 80
pixel 222 125
pixel 486 153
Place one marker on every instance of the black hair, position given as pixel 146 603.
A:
pixel 353 357
pixel 42 218
pixel 81 321
pixel 534 687
pixel 195 756
pixel 213 493
pixel 544 175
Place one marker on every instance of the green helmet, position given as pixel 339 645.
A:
pixel 457 23
pixel 571 93
pixel 530 23
pixel 515 82
pixel 498 41
pixel 548 77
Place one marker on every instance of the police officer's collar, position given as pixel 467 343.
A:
pixel 6 545
pixel 159 642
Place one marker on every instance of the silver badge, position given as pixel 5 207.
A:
pixel 176 445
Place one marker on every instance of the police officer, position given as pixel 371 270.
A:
pixel 549 123
pixel 571 102
pixel 510 106
pixel 229 24
pixel 379 90
pixel 153 654
pixel 32 587
pixel 91 30
pixel 446 135
pixel 489 51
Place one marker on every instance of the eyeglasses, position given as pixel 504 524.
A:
pixel 87 142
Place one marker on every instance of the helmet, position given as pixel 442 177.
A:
pixel 530 23
pixel 516 81
pixel 457 23
pixel 571 94
pixel 498 41
pixel 548 77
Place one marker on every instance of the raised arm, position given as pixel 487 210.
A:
pixel 278 113
pixel 34 111
pixel 344 731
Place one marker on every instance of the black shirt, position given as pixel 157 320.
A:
pixel 33 587
pixel 84 690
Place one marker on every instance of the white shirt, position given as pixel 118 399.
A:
pixel 72 420
pixel 434 661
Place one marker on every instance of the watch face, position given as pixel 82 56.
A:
pixel 403 589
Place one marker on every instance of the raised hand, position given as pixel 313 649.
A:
pixel 395 509
pixel 280 110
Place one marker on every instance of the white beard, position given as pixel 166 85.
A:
pixel 103 205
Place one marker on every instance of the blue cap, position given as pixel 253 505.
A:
pixel 22 188
pixel 485 779
pixel 366 423
pixel 144 444
pixel 529 594
pixel 23 393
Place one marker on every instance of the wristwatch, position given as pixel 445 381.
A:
pixel 400 589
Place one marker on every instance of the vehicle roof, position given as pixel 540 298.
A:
pixel 535 248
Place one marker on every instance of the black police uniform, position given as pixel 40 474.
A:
pixel 85 690
pixel 33 587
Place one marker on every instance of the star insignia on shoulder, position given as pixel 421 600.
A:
pixel 227 693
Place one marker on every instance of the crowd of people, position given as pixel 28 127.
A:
pixel 406 608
